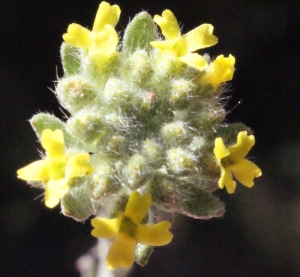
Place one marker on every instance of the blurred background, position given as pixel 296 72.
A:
pixel 259 235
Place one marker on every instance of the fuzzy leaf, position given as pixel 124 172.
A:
pixel 139 32
pixel 201 204
pixel 77 203
pixel 70 59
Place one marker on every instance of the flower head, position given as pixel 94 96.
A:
pixel 103 39
pixel 232 162
pixel 57 167
pixel 180 47
pixel 220 70
pixel 127 231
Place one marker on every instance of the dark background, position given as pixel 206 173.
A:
pixel 259 234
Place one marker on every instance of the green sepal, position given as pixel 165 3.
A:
pixel 139 33
pixel 200 204
pixel 119 200
pixel 229 132
pixel 70 59
pixel 142 254
pixel 77 202
pixel 42 121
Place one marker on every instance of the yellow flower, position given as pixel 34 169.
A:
pixel 180 47
pixel 127 231
pixel 103 39
pixel 232 162
pixel 56 169
pixel 220 70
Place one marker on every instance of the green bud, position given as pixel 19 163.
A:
pixel 127 99
pixel 117 93
pixel 164 69
pixel 88 125
pixel 135 171
pixel 197 143
pixel 174 132
pixel 75 93
pixel 138 68
pixel 148 100
pixel 180 160
pixel 180 91
pixel 103 180
pixel 152 150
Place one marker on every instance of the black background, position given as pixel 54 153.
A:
pixel 260 231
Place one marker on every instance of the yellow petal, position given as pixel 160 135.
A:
pixel 53 143
pixel 221 70
pixel 105 227
pixel 104 45
pixel 36 171
pixel 106 14
pixel 55 189
pixel 57 169
pixel 243 145
pixel 163 46
pixel 200 37
pixel 77 36
pixel 168 24
pixel 194 60
pixel 180 46
pixel 78 165
pixel 245 171
pixel 100 58
pixel 226 181
pixel 220 149
pixel 154 235
pixel 137 206
pixel 121 252
pixel 107 39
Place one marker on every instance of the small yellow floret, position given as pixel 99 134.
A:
pixel 180 47
pixel 103 39
pixel 220 70
pixel 57 167
pixel 127 231
pixel 232 162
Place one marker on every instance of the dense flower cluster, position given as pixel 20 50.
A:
pixel 144 127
